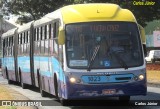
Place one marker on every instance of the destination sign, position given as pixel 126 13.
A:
pixel 102 28
pixel 97 28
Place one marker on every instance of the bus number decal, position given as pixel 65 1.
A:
pixel 94 78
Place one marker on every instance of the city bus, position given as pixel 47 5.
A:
pixel 9 56
pixel 79 51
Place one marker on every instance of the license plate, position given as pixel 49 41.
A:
pixel 109 91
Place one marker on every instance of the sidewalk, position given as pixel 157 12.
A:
pixel 6 93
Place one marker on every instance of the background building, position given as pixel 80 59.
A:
pixel 4 26
pixel 152 31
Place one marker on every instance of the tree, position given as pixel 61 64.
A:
pixel 28 10
pixel 34 9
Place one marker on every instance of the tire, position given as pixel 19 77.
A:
pixel 125 99
pixel 56 87
pixel 10 82
pixel 42 92
pixel 23 85
pixel 64 102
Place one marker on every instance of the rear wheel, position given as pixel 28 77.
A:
pixel 23 85
pixel 10 82
pixel 42 92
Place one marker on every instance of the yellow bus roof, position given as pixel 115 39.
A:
pixel 95 12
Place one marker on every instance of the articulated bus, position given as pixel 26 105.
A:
pixel 78 52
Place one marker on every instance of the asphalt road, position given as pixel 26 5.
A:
pixel 33 94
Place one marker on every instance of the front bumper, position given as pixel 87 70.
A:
pixel 82 91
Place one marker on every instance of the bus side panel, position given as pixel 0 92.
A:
pixel 24 67
pixel 46 82
pixel 63 86
pixel 49 67
pixel 36 69
pixel 4 67
pixel 10 67
pixel 57 69
pixel 43 64
pixel 44 72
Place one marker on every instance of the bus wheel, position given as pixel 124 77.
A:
pixel 42 92
pixel 56 87
pixel 9 82
pixel 124 98
pixel 64 102
pixel 23 85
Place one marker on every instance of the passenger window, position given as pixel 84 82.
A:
pixel 50 26
pixel 21 38
pixel 27 36
pixel 45 32
pixel 41 33
pixel 24 37
pixel 37 34
pixel 54 31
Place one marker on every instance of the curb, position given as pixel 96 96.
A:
pixel 153 84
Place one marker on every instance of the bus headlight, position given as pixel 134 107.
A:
pixel 141 77
pixel 72 80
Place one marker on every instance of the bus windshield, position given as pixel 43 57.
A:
pixel 103 45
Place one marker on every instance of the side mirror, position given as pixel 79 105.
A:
pixel 143 38
pixel 145 50
pixel 61 36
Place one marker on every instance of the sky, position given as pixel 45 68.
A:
pixel 12 19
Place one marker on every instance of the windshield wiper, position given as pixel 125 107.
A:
pixel 93 57
pixel 120 60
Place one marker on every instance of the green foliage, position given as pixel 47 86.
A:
pixel 34 9
pixel 152 26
